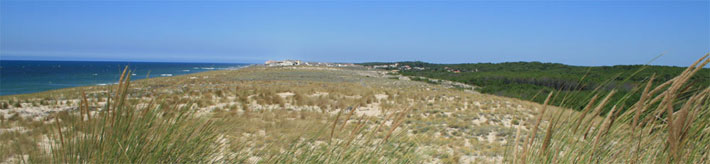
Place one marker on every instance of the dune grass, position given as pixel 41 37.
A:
pixel 669 123
pixel 133 133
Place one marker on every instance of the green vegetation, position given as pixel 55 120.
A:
pixel 575 85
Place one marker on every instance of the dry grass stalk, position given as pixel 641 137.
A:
pixel 674 127
pixel 675 84
pixel 81 106
pixel 347 118
pixel 86 107
pixel 121 94
pixel 640 105
pixel 605 124
pixel 118 90
pixel 359 122
pixel 702 95
pixel 335 123
pixel 548 134
pixel 598 110
pixel 357 129
pixel 531 137
pixel 679 127
pixel 396 122
pixel 613 117
pixel 609 120
pixel 685 74
pixel 585 111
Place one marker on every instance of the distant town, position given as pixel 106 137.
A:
pixel 273 63
pixel 394 67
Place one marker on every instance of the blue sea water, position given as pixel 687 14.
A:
pixel 19 77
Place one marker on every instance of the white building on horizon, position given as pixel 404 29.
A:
pixel 282 63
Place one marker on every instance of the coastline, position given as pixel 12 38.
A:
pixel 14 74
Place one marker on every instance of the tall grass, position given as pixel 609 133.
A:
pixel 134 133
pixel 669 123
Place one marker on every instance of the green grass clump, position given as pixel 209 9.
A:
pixel 668 123
pixel 127 133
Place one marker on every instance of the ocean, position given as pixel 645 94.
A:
pixel 19 76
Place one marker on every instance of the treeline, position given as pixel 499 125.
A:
pixel 533 80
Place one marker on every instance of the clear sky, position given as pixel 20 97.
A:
pixel 569 32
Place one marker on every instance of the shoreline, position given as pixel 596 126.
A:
pixel 104 84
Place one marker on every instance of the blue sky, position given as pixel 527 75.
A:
pixel 569 32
